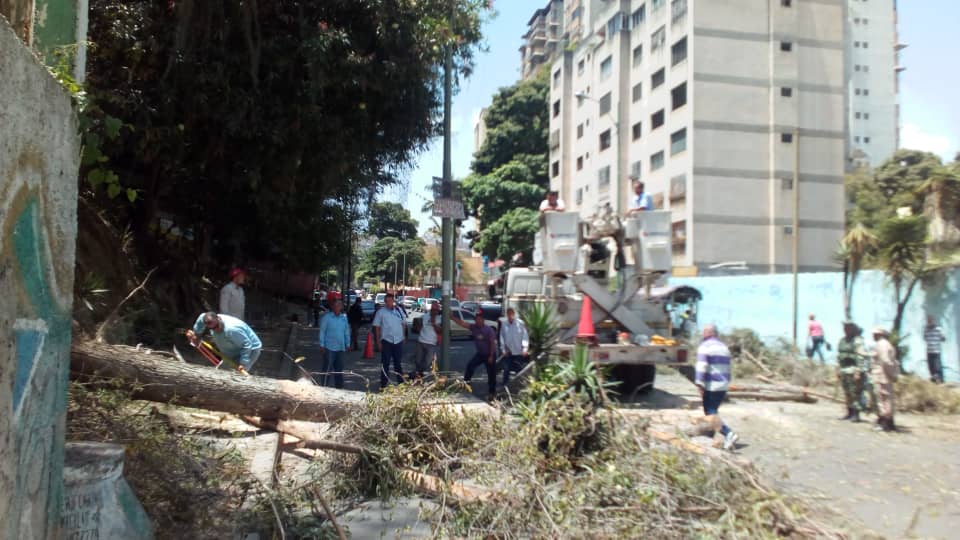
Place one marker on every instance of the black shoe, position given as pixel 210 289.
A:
pixel 855 416
pixel 848 416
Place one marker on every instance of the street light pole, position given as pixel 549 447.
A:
pixel 448 249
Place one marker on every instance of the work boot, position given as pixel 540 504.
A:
pixel 889 425
pixel 849 414
pixel 855 416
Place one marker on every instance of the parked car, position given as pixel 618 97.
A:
pixel 369 308
pixel 407 302
pixel 378 299
pixel 415 323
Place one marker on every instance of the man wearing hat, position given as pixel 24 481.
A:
pixel 851 356
pixel 232 301
pixel 884 373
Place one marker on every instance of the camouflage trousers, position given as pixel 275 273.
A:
pixel 852 390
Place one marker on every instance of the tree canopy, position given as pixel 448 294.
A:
pixel 389 257
pixel 509 172
pixel 263 127
pixel 390 219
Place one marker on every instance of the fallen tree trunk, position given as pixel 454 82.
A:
pixel 159 379
pixel 803 388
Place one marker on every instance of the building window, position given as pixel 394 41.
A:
pixel 786 91
pixel 856 44
pixel 580 67
pixel 580 163
pixel 657 78
pixel 786 183
pixel 678 52
pixel 678 141
pixel 579 130
pixel 856 91
pixel 856 67
pixel 638 16
pixel 637 92
pixel 678 187
pixel 656 161
pixel 603 178
pixel 678 233
pixel 678 9
pixel 785 3
pixel 856 139
pixel 865 45
pixel 614 25
pixel 605 140
pixel 866 116
pixel 786 137
pixel 579 195
pixel 605 103
pixel 636 130
pixel 678 96
pixel 606 68
pixel 556 108
pixel 555 168
pixel 657 4
pixel 866 140
pixel 786 46
pixel 658 38
pixel 656 119
pixel 556 79
pixel 636 168
pixel 637 55
pixel 866 69
pixel 856 115
pixel 866 92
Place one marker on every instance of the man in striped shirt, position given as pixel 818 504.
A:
pixel 934 337
pixel 713 379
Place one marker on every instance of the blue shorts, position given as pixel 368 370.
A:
pixel 712 401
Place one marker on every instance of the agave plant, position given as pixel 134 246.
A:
pixel 543 332
pixel 581 376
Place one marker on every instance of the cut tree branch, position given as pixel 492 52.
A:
pixel 115 314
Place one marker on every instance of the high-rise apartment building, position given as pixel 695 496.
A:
pixel 543 42
pixel 732 112
pixel 872 75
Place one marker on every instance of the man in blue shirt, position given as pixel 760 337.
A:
pixel 334 340
pixel 388 329
pixel 485 340
pixel 235 339
pixel 640 201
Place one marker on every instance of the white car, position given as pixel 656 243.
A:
pixel 415 323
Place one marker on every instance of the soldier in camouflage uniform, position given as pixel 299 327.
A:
pixel 851 356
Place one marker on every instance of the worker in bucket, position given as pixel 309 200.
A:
pixel 233 337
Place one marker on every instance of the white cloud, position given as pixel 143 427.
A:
pixel 914 138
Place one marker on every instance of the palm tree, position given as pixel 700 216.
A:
pixel 858 244
pixel 903 258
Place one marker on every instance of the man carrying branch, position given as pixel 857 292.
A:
pixel 233 337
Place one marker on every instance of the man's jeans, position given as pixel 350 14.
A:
pixel 254 356
pixel 491 371
pixel 935 367
pixel 711 407
pixel 333 368
pixel 512 362
pixel 390 351
pixel 816 344
pixel 424 358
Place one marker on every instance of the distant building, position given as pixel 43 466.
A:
pixel 480 130
pixel 543 40
pixel 873 79
pixel 709 104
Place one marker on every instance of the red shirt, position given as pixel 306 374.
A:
pixel 814 329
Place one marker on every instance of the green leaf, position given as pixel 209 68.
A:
pixel 95 177
pixel 131 194
pixel 91 155
pixel 113 190
pixel 112 125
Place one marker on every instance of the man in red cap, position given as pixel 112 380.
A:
pixel 232 301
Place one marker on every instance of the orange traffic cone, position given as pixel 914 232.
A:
pixel 585 330
pixel 368 350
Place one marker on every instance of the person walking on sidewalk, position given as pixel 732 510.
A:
pixel 233 337
pixel 713 380
pixel 884 373
pixel 334 341
pixel 485 341
pixel 815 335
pixel 232 300
pixel 851 358
pixel 514 342
pixel 428 341
pixel 388 326
pixel 934 338
pixel 355 318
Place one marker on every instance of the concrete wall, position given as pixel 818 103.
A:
pixel 763 303
pixel 39 160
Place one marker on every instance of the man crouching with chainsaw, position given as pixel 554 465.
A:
pixel 236 343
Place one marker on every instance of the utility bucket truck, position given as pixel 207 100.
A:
pixel 622 266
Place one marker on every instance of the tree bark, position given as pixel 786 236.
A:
pixel 155 378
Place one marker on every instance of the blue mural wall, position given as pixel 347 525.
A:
pixel 764 303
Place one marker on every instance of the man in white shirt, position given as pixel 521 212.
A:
pixel 553 203
pixel 232 300
pixel 514 343
pixel 640 201
pixel 388 329
pixel 428 341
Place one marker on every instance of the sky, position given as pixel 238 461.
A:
pixel 929 111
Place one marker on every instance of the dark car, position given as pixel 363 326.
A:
pixel 369 308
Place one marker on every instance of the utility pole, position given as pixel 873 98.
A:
pixel 448 248
pixel 796 231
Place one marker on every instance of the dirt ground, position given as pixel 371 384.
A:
pixel 899 485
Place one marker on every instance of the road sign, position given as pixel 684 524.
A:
pixel 448 208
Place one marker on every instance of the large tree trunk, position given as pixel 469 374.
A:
pixel 156 378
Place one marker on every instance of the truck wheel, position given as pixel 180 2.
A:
pixel 633 380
